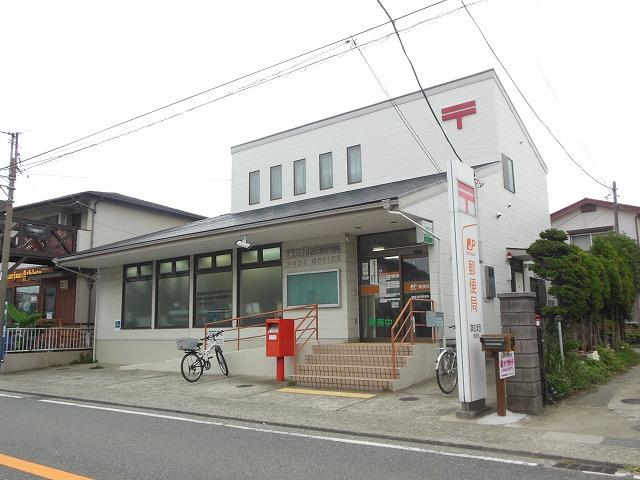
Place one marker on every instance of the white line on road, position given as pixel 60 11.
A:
pixel 297 434
pixel 9 396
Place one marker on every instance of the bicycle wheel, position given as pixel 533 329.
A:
pixel 222 362
pixel 191 367
pixel 447 371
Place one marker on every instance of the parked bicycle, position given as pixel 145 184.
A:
pixel 447 367
pixel 196 360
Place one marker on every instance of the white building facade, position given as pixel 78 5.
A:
pixel 316 204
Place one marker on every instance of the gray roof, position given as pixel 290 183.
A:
pixel 333 202
pixel 113 196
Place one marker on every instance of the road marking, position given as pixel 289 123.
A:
pixel 37 469
pixel 297 434
pixel 329 393
pixel 9 396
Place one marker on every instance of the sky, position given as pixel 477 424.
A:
pixel 70 68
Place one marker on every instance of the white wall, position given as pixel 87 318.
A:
pixel 601 217
pixel 388 151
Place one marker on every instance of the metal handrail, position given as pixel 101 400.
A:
pixel 400 326
pixel 312 319
pixel 43 339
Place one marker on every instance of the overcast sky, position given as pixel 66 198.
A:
pixel 73 67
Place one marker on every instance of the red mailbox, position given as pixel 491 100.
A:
pixel 281 342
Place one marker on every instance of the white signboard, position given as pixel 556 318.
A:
pixel 373 271
pixel 219 340
pixel 465 252
pixel 507 362
pixel 117 324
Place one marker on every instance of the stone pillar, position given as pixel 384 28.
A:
pixel 524 390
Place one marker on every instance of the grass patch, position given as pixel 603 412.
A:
pixel 83 358
pixel 580 373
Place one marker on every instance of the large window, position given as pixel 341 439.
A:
pixel 507 174
pixel 136 301
pixel 326 170
pixel 310 288
pixel 254 187
pixel 299 177
pixel 213 288
pixel 27 298
pixel 354 165
pixel 260 282
pixel 276 182
pixel 172 297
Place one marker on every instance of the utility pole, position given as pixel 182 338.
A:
pixel 8 227
pixel 616 208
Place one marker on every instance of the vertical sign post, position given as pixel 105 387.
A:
pixel 465 244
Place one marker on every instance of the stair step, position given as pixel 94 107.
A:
pixel 342 383
pixel 348 359
pixel 362 349
pixel 351 371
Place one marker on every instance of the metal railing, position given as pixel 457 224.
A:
pixel 38 339
pixel 239 328
pixel 403 329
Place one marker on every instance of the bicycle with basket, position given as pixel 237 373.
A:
pixel 196 360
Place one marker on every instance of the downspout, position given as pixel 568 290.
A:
pixel 637 230
pixel 94 210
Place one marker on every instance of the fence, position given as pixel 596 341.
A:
pixel 47 339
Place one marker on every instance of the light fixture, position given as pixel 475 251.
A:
pixel 498 214
pixel 243 243
pixel 377 249
pixel 357 228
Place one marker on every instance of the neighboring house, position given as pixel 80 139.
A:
pixel 70 224
pixel 588 218
pixel 314 203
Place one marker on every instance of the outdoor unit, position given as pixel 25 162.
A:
pixel 489 282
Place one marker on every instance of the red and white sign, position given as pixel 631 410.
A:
pixel 507 362
pixel 466 199
pixel 458 111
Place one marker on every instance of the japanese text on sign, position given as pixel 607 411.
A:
pixel 507 361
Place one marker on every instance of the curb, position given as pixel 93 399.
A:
pixel 422 441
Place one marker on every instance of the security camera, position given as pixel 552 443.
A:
pixel 498 214
pixel 243 243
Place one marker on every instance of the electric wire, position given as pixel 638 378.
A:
pixel 226 83
pixel 298 67
pixel 415 74
pixel 526 100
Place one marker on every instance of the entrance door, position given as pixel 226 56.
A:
pixel 416 284
pixel 380 297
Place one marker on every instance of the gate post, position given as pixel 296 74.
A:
pixel 518 317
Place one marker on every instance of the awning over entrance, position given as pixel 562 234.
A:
pixel 519 254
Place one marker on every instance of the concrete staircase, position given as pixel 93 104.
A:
pixel 353 366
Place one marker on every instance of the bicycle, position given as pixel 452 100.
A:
pixel 447 367
pixel 196 360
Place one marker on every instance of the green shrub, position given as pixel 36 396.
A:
pixel 632 336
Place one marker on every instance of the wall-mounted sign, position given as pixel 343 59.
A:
pixel 435 319
pixel 422 236
pixel 373 271
pixel 117 324
pixel 456 112
pixel 23 275
pixel 64 284
pixel 313 255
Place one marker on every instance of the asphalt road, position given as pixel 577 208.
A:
pixel 105 442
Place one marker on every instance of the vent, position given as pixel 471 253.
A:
pixel 489 282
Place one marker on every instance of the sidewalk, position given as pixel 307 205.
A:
pixel 594 426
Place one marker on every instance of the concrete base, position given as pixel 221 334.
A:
pixel 18 362
pixel 419 367
pixel 475 409
pixel 495 419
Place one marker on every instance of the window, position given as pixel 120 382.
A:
pixel 254 187
pixel 213 289
pixel 172 294
pixel 299 177
pixel 259 283
pixel 584 240
pixel 276 182
pixel 354 165
pixel 326 171
pixel 136 302
pixel 27 298
pixel 50 303
pixel 315 287
pixel 507 174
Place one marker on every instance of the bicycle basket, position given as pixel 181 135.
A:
pixel 187 343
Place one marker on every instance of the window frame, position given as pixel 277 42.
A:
pixel 251 266
pixel 349 181
pixel 508 173
pixel 311 272
pixel 138 278
pixel 172 274
pixel 271 197
pixel 304 175
pixel 320 157
pixel 258 174
pixel 213 269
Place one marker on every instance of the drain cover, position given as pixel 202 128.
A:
pixel 409 399
pixel 243 386
pixel 631 401
pixel 622 442
pixel 583 467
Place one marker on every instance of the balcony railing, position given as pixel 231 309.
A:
pixel 42 241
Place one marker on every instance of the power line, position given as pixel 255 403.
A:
pixel 226 83
pixel 415 74
pixel 298 67
pixel 402 116
pixel 527 101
